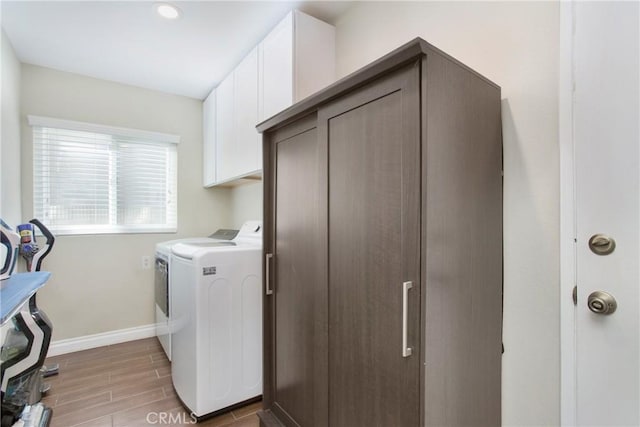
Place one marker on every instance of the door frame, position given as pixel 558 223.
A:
pixel 568 374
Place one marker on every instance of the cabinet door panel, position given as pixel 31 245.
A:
pixel 276 69
pixel 374 193
pixel 245 156
pixel 224 129
pixel 209 140
pixel 300 295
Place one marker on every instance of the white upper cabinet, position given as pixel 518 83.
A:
pixel 209 140
pixel 296 59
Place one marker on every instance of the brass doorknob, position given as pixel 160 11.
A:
pixel 601 302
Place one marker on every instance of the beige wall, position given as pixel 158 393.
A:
pixel 98 283
pixel 10 206
pixel 245 203
pixel 514 44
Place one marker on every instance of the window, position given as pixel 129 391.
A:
pixel 91 179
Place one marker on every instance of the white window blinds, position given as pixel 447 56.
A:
pixel 91 179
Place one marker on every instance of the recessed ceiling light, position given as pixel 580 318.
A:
pixel 167 10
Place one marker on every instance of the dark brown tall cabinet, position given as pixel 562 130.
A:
pixel 383 249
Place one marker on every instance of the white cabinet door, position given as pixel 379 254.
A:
pixel 237 108
pixel 224 130
pixel 276 69
pixel 245 155
pixel 314 55
pixel 209 140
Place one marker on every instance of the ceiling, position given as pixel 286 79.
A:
pixel 127 42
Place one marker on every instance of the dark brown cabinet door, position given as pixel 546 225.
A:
pixel 299 320
pixel 373 138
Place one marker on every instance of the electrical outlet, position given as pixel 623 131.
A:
pixel 146 262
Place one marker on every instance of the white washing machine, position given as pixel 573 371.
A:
pixel 216 341
pixel 162 280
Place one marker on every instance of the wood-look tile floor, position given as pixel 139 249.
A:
pixel 126 384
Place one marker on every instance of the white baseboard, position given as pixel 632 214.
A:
pixel 99 340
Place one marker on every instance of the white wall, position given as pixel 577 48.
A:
pixel 515 44
pixel 245 203
pixel 10 205
pixel 98 283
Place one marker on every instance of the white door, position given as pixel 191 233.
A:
pixel 606 139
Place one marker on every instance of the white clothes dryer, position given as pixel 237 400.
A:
pixel 162 282
pixel 216 340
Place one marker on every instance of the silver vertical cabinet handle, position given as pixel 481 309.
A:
pixel 267 280
pixel 406 351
